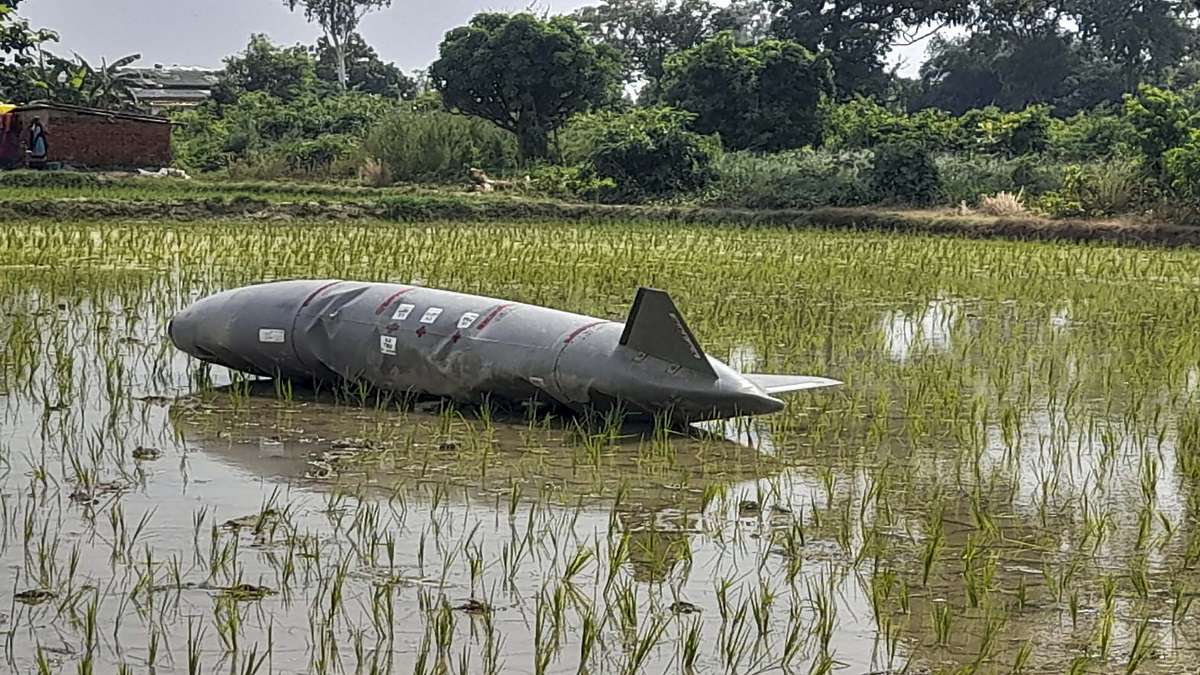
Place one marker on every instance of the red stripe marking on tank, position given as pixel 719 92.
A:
pixel 455 338
pixel 391 298
pixel 421 332
pixel 313 296
pixel 491 316
pixel 579 331
pixel 392 327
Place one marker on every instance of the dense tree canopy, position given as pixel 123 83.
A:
pixel 762 97
pixel 646 32
pixel 858 34
pixel 524 74
pixel 365 71
pixel 283 72
pixel 1073 54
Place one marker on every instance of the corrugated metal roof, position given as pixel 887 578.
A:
pixel 152 95
pixel 175 77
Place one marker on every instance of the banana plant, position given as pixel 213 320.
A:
pixel 108 86
pixel 77 82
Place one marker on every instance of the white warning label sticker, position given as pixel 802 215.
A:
pixel 387 344
pixel 402 312
pixel 275 336
pixel 467 319
pixel 431 315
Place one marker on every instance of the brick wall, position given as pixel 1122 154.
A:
pixel 97 142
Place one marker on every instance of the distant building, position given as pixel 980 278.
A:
pixel 87 138
pixel 166 88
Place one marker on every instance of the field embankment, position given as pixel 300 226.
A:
pixel 85 196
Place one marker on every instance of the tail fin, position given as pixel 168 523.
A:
pixel 655 327
pixel 782 384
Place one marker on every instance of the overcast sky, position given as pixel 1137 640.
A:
pixel 203 32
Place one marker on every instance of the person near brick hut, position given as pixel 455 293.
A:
pixel 39 146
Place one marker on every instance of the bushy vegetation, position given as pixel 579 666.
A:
pixel 272 116
pixel 307 135
pixel 414 144
pixel 763 97
pixel 795 179
pixel 642 154
pixel 904 172
pixel 754 103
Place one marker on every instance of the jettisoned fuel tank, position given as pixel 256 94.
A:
pixel 411 339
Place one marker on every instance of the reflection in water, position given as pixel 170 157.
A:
pixel 663 479
pixel 744 359
pixel 928 330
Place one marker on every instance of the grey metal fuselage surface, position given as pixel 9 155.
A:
pixel 411 339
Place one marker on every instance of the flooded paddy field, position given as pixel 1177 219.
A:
pixel 1008 482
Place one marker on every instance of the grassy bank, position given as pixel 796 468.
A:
pixel 84 196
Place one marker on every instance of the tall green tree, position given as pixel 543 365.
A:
pixel 283 72
pixel 524 74
pixel 365 71
pixel 339 19
pixel 1140 37
pixel 858 34
pixel 1073 54
pixel 763 97
pixel 987 69
pixel 646 32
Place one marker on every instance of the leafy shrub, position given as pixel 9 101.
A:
pixel 966 178
pixel 1008 133
pixel 766 96
pixel 570 181
pixel 1034 175
pixel 200 141
pixel 1097 190
pixel 1182 166
pixel 904 171
pixel 260 129
pixel 863 123
pixel 1161 121
pixel 797 179
pixel 317 155
pixel 1095 135
pixel 437 145
pixel 645 153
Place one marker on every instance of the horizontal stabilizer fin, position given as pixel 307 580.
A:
pixel 656 328
pixel 782 384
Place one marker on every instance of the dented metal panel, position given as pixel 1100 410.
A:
pixel 467 347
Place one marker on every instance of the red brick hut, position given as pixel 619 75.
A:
pixel 88 137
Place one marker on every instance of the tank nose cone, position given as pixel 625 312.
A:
pixel 182 329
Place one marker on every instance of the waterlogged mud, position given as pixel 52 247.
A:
pixel 1007 483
